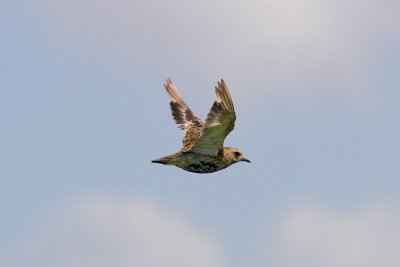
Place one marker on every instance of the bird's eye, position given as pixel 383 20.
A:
pixel 237 154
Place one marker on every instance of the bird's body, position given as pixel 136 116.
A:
pixel 203 150
pixel 195 162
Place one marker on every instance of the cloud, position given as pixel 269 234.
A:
pixel 281 47
pixel 315 237
pixel 103 231
pixel 107 232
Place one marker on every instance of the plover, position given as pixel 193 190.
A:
pixel 203 148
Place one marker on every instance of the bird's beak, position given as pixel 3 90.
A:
pixel 243 159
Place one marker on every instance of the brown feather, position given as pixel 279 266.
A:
pixel 181 113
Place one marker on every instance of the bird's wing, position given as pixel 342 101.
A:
pixel 180 111
pixel 219 123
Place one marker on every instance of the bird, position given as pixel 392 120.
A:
pixel 203 148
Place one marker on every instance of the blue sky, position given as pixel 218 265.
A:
pixel 315 86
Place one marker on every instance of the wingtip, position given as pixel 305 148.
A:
pixel 172 91
pixel 221 86
pixel 168 82
pixel 223 95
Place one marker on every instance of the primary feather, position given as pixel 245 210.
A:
pixel 181 113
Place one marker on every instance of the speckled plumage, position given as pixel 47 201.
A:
pixel 202 150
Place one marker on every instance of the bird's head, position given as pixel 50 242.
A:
pixel 234 154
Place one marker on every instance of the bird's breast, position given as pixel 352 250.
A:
pixel 199 163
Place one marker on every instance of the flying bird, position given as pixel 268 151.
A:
pixel 203 148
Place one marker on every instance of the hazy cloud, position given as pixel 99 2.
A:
pixel 316 237
pixel 283 46
pixel 107 232
pixel 102 231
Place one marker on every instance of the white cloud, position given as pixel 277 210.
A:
pixel 314 237
pixel 106 232
pixel 102 231
pixel 285 47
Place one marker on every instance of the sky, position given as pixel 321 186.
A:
pixel 83 112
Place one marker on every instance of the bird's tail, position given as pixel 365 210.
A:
pixel 158 161
pixel 166 160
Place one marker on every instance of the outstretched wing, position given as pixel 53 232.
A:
pixel 180 111
pixel 219 123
